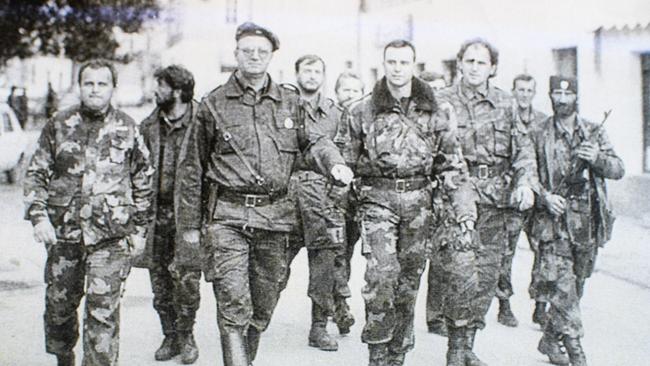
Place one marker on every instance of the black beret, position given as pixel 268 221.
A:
pixel 563 83
pixel 252 29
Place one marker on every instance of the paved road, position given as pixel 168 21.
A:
pixel 616 311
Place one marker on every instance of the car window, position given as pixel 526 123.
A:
pixel 6 122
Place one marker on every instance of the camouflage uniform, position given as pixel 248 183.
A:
pixel 247 213
pixel 175 281
pixel 91 176
pixel 500 158
pixel 320 207
pixel 398 149
pixel 568 245
pixel 520 222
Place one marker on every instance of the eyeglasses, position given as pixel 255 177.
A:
pixel 249 52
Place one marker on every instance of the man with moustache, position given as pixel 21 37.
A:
pixel 523 90
pixel 573 216
pixel 501 163
pixel 401 143
pixel 175 277
pixel 87 194
pixel 234 183
pixel 320 206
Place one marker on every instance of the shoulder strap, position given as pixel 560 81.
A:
pixel 229 139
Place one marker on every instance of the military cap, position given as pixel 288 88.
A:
pixel 252 29
pixel 563 83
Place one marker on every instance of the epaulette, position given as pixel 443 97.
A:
pixel 291 87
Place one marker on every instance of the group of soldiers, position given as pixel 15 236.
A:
pixel 234 186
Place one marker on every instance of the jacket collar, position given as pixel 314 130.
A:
pixel 487 93
pixel 421 96
pixel 235 87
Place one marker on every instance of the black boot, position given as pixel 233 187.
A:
pixel 378 354
pixel 318 336
pixel 395 359
pixel 253 340
pixel 456 346
pixel 470 357
pixel 549 345
pixel 234 349
pixel 506 317
pixel 65 359
pixel 574 349
pixel 187 347
pixel 438 326
pixel 168 349
pixel 342 316
pixel 539 315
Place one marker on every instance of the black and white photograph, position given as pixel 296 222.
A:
pixel 324 182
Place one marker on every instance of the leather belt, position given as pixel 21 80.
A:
pixel 483 171
pixel 249 200
pixel 399 185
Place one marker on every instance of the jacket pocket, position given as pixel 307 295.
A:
pixel 502 140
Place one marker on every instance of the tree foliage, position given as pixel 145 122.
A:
pixel 79 29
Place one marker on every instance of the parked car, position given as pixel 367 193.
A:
pixel 13 143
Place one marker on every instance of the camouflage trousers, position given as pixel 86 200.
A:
pixel 395 230
pixel 493 227
pixel 104 269
pixel 248 268
pixel 176 290
pixel 563 270
pixel 321 229
pixel 342 267
pixel 435 290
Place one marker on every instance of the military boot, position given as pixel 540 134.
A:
pixel 342 316
pixel 65 359
pixel 378 354
pixel 234 349
pixel 187 347
pixel 253 340
pixel 168 349
pixel 470 357
pixel 506 317
pixel 539 315
pixel 574 349
pixel 438 326
pixel 456 346
pixel 318 336
pixel 549 345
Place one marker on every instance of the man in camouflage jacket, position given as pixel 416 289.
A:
pixel 87 192
pixel 401 142
pixel 501 164
pixel 573 216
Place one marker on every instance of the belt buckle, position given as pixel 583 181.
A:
pixel 250 200
pixel 483 172
pixel 400 185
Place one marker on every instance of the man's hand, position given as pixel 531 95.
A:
pixel 555 204
pixel 137 241
pixel 44 232
pixel 341 173
pixel 587 152
pixel 524 197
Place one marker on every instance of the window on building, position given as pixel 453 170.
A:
pixel 231 11
pixel 645 81
pixel 419 67
pixel 374 75
pixel 349 64
pixel 449 70
pixel 6 123
pixel 566 61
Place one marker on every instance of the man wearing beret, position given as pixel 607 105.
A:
pixel 572 216
pixel 235 176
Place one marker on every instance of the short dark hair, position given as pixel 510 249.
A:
pixel 430 76
pixel 98 64
pixel 348 75
pixel 178 78
pixel 494 53
pixel 522 77
pixel 400 43
pixel 309 60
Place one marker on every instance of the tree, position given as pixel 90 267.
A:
pixel 78 29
